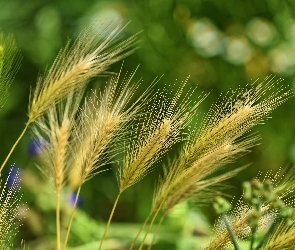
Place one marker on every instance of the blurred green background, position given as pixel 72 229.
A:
pixel 219 44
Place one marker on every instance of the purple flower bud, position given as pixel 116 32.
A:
pixel 72 198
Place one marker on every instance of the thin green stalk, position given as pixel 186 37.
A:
pixel 14 145
pixel 156 231
pixel 140 230
pixel 151 224
pixel 72 217
pixel 231 233
pixel 267 234
pixel 109 221
pixel 57 217
pixel 253 237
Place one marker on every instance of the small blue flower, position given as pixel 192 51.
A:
pixel 72 198
pixel 35 147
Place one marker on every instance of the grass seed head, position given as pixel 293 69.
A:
pixel 219 140
pixel 157 134
pixel 282 238
pixel 54 131
pixel 103 124
pixel 89 55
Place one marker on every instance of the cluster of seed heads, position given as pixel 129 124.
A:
pixel 257 194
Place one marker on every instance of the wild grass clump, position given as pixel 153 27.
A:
pixel 81 131
pixel 82 59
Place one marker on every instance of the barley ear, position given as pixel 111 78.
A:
pixel 219 140
pixel 221 137
pixel 54 131
pixel 159 131
pixel 89 55
pixel 282 238
pixel 101 127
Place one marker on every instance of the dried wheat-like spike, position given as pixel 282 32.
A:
pixel 282 238
pixel 219 140
pixel 102 125
pixel 180 184
pixel 9 64
pixel 235 114
pixel 10 210
pixel 54 131
pixel 89 55
pixel 156 135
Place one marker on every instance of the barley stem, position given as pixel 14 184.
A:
pixel 14 145
pixel 71 218
pixel 156 231
pixel 266 236
pixel 140 230
pixel 253 237
pixel 109 221
pixel 152 222
pixel 57 211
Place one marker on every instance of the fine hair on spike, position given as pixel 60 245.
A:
pixel 101 128
pixel 89 55
pixel 160 129
pixel 219 140
pixel 79 133
pixel 10 209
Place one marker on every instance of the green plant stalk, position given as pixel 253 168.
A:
pixel 267 234
pixel 253 238
pixel 231 233
pixel 72 217
pixel 14 145
pixel 156 231
pixel 109 221
pixel 152 222
pixel 57 217
pixel 140 230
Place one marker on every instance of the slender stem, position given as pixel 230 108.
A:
pixel 156 231
pixel 253 237
pixel 109 221
pixel 141 228
pixel 267 234
pixel 152 222
pixel 14 145
pixel 72 217
pixel 57 217
pixel 231 233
